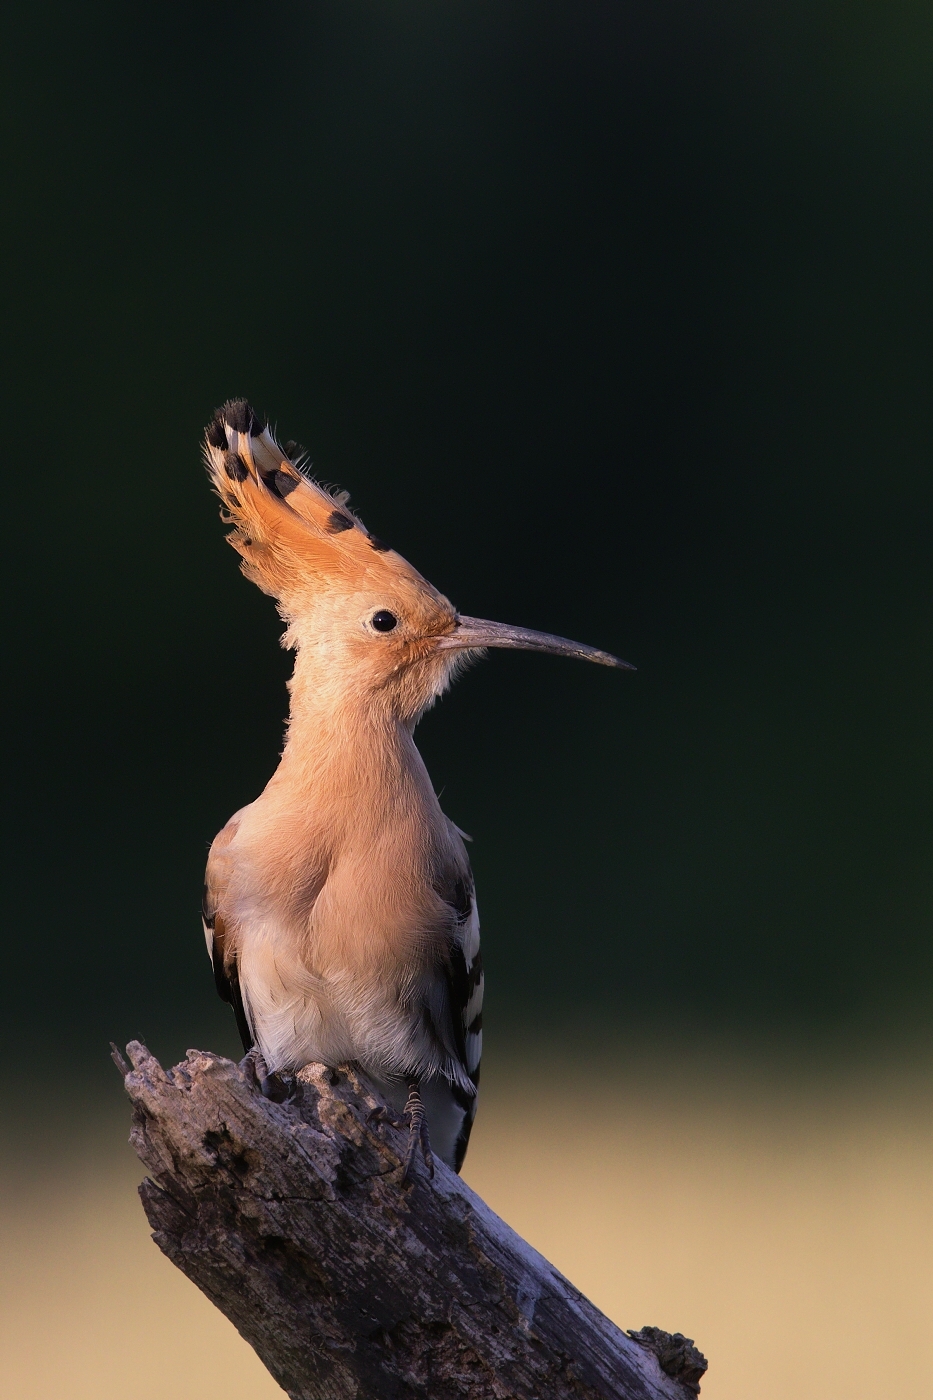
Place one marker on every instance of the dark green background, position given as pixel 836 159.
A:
pixel 616 320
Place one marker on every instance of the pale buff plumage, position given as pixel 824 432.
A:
pixel 339 906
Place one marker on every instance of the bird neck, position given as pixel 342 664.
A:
pixel 338 729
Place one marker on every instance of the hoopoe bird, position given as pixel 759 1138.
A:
pixel 339 907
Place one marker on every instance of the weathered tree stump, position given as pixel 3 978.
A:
pixel 292 1219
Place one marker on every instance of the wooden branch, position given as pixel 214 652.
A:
pixel 349 1285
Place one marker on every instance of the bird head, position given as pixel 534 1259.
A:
pixel 373 625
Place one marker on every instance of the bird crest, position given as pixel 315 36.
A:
pixel 294 536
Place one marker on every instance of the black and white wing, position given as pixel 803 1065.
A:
pixel 226 978
pixel 219 946
pixel 463 975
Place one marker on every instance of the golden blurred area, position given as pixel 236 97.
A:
pixel 782 1218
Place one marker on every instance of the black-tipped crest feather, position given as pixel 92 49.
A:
pixel 240 415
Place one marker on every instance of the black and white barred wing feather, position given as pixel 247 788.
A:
pixel 462 998
pixel 220 946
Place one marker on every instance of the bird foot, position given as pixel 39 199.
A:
pixel 277 1088
pixel 382 1114
pixel 417 1134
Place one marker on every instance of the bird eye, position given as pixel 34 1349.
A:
pixel 384 621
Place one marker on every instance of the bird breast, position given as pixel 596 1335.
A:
pixel 336 918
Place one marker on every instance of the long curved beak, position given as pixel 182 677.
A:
pixel 475 632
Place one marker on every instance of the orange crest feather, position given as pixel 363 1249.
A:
pixel 291 533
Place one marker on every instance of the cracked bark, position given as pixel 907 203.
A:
pixel 292 1220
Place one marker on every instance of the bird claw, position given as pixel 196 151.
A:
pixel 274 1087
pixel 417 1134
pixel 279 1088
pixel 382 1114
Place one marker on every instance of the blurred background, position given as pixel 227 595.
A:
pixel 616 320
